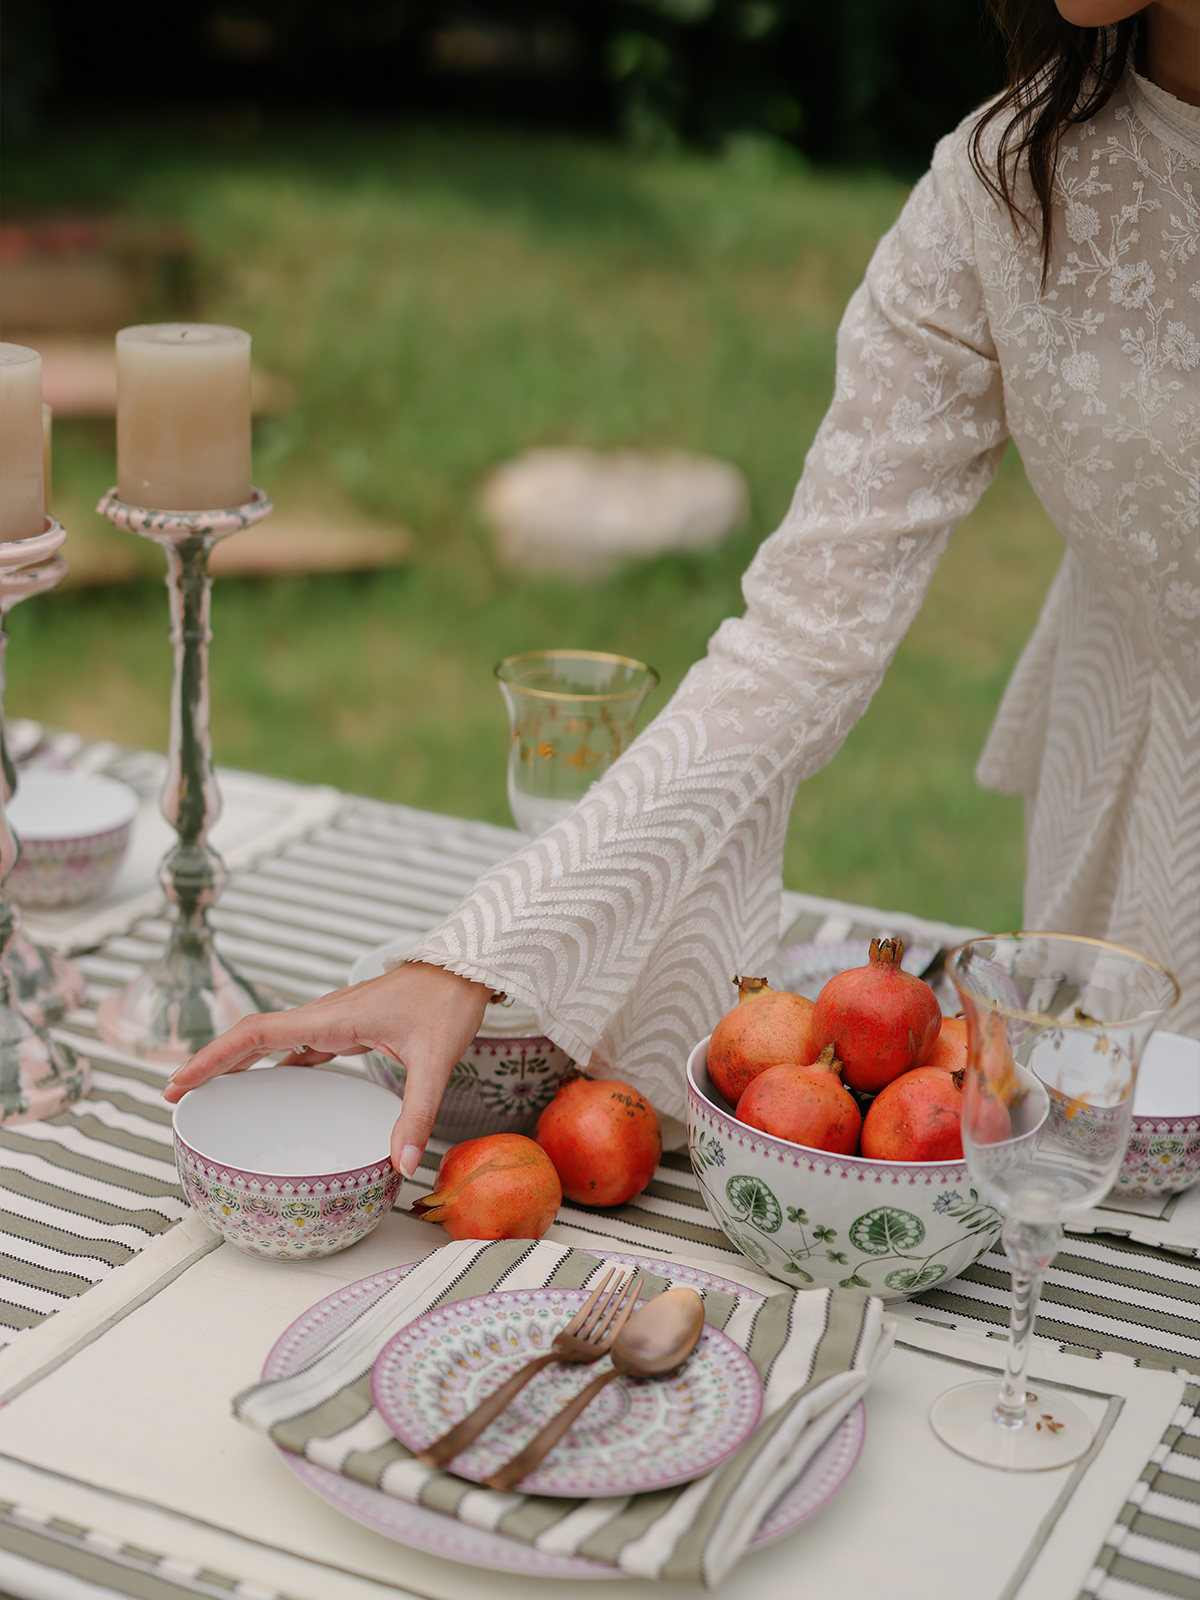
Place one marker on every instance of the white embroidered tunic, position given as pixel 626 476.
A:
pixel 622 924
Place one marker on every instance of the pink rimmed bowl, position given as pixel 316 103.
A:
pixel 288 1162
pixel 507 1075
pixel 74 830
pixel 814 1219
pixel 1163 1153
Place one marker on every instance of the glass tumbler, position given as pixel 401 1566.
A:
pixel 572 713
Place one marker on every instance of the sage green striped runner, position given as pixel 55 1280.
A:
pixel 815 1351
pixel 85 1193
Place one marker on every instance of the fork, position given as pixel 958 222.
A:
pixel 585 1338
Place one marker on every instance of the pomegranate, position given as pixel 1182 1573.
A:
pixel 767 1028
pixel 603 1138
pixel 995 1060
pixel 950 1049
pixel 807 1105
pixel 499 1187
pixel 918 1117
pixel 880 1019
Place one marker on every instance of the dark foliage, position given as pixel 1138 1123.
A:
pixel 842 80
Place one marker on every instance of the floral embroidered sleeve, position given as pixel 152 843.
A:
pixel 623 924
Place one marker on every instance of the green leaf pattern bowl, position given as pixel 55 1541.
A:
pixel 502 1083
pixel 507 1075
pixel 814 1219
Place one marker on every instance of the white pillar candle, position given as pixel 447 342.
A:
pixel 47 454
pixel 183 416
pixel 22 494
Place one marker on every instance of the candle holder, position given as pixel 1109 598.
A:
pixel 191 995
pixel 47 986
pixel 39 1076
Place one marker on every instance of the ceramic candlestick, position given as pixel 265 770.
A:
pixel 39 1076
pixel 191 994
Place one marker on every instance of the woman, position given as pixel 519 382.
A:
pixel 1043 285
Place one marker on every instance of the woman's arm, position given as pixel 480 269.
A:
pixel 622 924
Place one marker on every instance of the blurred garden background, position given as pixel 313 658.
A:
pixel 457 233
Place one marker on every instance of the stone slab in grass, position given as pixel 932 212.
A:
pixel 79 377
pixel 582 512
pixel 299 541
pixel 288 541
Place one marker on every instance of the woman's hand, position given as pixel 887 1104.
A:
pixel 423 1016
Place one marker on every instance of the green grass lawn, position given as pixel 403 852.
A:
pixel 441 300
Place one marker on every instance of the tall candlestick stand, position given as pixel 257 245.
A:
pixel 191 994
pixel 39 1076
pixel 47 986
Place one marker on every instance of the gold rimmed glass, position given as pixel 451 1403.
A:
pixel 1075 1014
pixel 572 713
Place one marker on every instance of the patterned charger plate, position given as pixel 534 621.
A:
pixel 638 1434
pixel 419 1528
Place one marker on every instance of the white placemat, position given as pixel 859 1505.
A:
pixel 1171 1221
pixel 176 1475
pixel 258 815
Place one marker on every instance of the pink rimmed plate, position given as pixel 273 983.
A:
pixel 637 1435
pixel 437 1534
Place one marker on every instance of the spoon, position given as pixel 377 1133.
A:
pixel 656 1339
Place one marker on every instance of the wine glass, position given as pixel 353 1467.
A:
pixel 572 713
pixel 1056 1028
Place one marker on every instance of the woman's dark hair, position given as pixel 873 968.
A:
pixel 1058 74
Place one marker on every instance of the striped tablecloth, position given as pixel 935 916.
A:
pixel 82 1195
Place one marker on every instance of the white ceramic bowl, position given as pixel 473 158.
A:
pixel 507 1076
pixel 287 1162
pixel 1163 1153
pixel 809 1217
pixel 74 830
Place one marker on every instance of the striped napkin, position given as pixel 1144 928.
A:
pixel 815 1350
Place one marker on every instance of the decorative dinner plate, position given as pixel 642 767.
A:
pixel 437 1534
pixel 638 1434
pixel 806 968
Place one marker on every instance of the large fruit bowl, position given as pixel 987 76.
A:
pixel 811 1218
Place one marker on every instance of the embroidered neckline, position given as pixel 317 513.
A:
pixel 1173 121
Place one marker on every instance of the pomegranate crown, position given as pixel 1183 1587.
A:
pixel 748 988
pixel 887 953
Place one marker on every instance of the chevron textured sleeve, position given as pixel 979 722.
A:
pixel 623 924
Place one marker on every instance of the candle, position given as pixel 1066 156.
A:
pixel 183 416
pixel 22 496
pixel 47 430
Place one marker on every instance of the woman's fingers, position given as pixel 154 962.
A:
pixel 423 1090
pixel 422 1016
pixel 452 1010
pixel 245 1043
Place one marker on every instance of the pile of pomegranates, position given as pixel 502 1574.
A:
pixel 598 1143
pixel 870 1067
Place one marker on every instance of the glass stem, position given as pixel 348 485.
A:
pixel 1030 1248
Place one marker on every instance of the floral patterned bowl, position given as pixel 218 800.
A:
pixel 1163 1153
pixel 501 1085
pixel 506 1078
pixel 810 1217
pixel 74 831
pixel 287 1162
